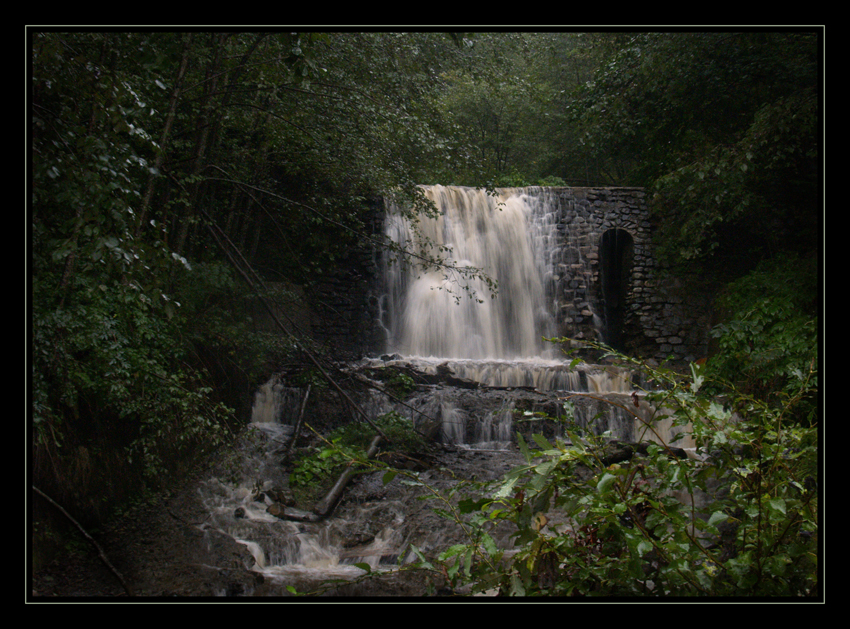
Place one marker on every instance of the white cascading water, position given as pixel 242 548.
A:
pixel 289 553
pixel 440 317
pixel 441 313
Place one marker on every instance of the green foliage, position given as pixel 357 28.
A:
pixel 141 336
pixel 349 443
pixel 514 179
pixel 769 342
pixel 397 382
pixel 222 323
pixel 319 467
pixel 748 525
pixel 551 181
pixel 312 377
pixel 500 110
pixel 722 125
pixel 109 356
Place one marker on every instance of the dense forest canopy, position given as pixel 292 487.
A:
pixel 149 149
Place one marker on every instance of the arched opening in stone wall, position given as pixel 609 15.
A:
pixel 616 256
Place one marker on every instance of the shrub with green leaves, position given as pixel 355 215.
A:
pixel 400 384
pixel 320 464
pixel 348 443
pixel 738 519
pixel 770 338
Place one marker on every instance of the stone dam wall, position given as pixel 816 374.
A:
pixel 607 285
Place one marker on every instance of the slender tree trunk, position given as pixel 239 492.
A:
pixel 204 125
pixel 166 132
pixel 210 122
pixel 298 423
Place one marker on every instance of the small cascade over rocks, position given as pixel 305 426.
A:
pixel 374 525
pixel 478 403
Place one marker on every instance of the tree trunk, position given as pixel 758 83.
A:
pixel 166 132
pixel 298 423
pixel 204 124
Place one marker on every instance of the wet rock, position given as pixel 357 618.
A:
pixel 359 540
pixel 446 376
pixel 291 513
pixel 277 510
pixel 281 496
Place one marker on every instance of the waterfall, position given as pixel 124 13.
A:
pixel 435 319
pixel 439 311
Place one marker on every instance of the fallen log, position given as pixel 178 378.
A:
pixel 291 513
pixel 619 451
pixel 326 504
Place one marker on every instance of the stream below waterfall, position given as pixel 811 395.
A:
pixel 216 535
pixel 375 523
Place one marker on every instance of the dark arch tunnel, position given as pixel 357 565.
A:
pixel 616 256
